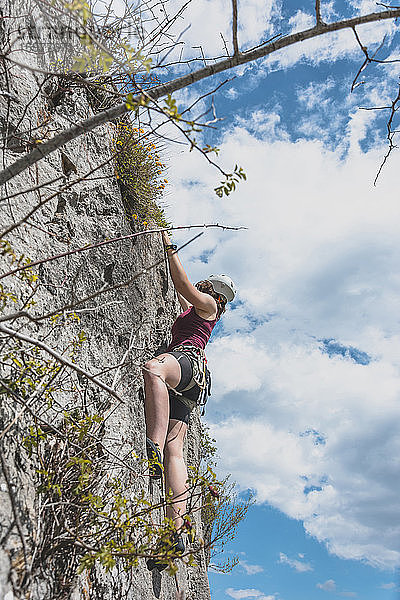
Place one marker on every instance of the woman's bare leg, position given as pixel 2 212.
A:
pixel 176 471
pixel 157 370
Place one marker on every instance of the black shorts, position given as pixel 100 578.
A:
pixel 178 409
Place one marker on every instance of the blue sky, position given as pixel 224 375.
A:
pixel 281 562
pixel 306 361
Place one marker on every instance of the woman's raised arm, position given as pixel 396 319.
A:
pixel 183 302
pixel 202 302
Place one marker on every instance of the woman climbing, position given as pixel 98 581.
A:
pixel 183 368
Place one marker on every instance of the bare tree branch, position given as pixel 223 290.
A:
pixel 33 189
pixel 264 43
pixel 225 46
pixel 61 359
pixel 91 123
pixel 14 506
pixel 368 59
pixel 390 134
pixel 374 107
pixel 55 430
pixel 37 394
pixel 64 188
pixel 16 315
pixel 112 241
pixel 318 19
pixel 206 94
pixel 9 95
pixel 235 27
pixel 365 63
pixel 116 286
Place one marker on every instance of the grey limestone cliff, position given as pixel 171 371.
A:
pixel 129 323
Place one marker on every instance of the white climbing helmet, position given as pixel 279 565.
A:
pixel 222 284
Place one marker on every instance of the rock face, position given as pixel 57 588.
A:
pixel 126 325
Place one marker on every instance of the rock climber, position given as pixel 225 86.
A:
pixel 182 368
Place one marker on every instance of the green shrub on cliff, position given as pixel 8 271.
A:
pixel 139 171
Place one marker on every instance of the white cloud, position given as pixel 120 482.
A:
pixel 301 21
pixel 111 8
pixel 329 47
pixel 250 569
pixel 319 261
pixel 263 124
pixel 209 20
pixel 204 31
pixel 328 586
pixel 232 93
pixel 364 6
pixel 249 593
pixel 388 586
pixel 328 11
pixel 298 565
pixel 316 94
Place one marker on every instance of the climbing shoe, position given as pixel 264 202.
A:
pixel 156 468
pixel 174 546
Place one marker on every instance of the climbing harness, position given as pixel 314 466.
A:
pixel 201 375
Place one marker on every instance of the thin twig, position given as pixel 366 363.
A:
pixel 225 46
pixel 110 288
pixel 123 360
pixel 33 189
pixel 386 5
pixel 9 95
pixel 14 507
pixel 112 241
pixel 61 359
pixel 38 393
pixel 390 135
pixel 17 315
pixel 368 59
pixel 189 108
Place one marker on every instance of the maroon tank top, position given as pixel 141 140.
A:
pixel 190 328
